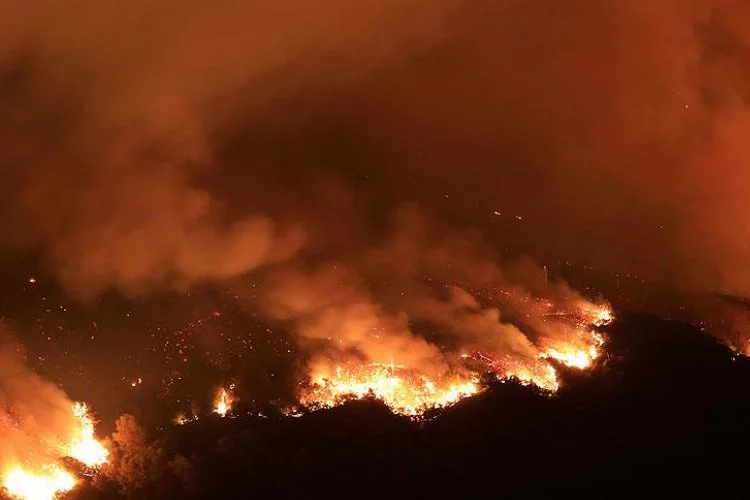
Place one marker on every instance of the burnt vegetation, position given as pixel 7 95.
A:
pixel 664 407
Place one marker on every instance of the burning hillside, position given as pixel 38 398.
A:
pixel 401 390
pixel 409 392
pixel 674 394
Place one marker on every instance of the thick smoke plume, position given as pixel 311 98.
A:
pixel 426 298
pixel 167 143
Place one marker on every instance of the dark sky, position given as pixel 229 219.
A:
pixel 168 142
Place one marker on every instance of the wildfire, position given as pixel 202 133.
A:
pixel 586 350
pixel 541 375
pixel 537 372
pixel 580 359
pixel 577 357
pixel 599 314
pixel 404 391
pixel 47 481
pixel 224 402
pixel 44 485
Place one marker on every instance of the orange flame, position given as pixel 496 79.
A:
pixel 402 390
pixel 580 357
pixel 598 314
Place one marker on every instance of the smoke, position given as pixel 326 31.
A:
pixel 169 144
pixel 111 125
pixel 332 307
pixel 425 297
pixel 36 420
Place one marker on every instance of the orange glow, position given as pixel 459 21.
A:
pixel 45 484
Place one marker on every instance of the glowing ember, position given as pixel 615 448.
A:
pixel 44 485
pixel 223 402
pixel 401 390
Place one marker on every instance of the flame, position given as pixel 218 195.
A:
pixel 537 372
pixel 573 358
pixel 224 402
pixel 84 447
pixel 587 348
pixel 48 480
pixel 403 391
pixel 46 484
pixel 598 314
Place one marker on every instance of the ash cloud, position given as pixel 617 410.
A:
pixel 171 143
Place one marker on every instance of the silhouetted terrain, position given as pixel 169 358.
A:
pixel 666 408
